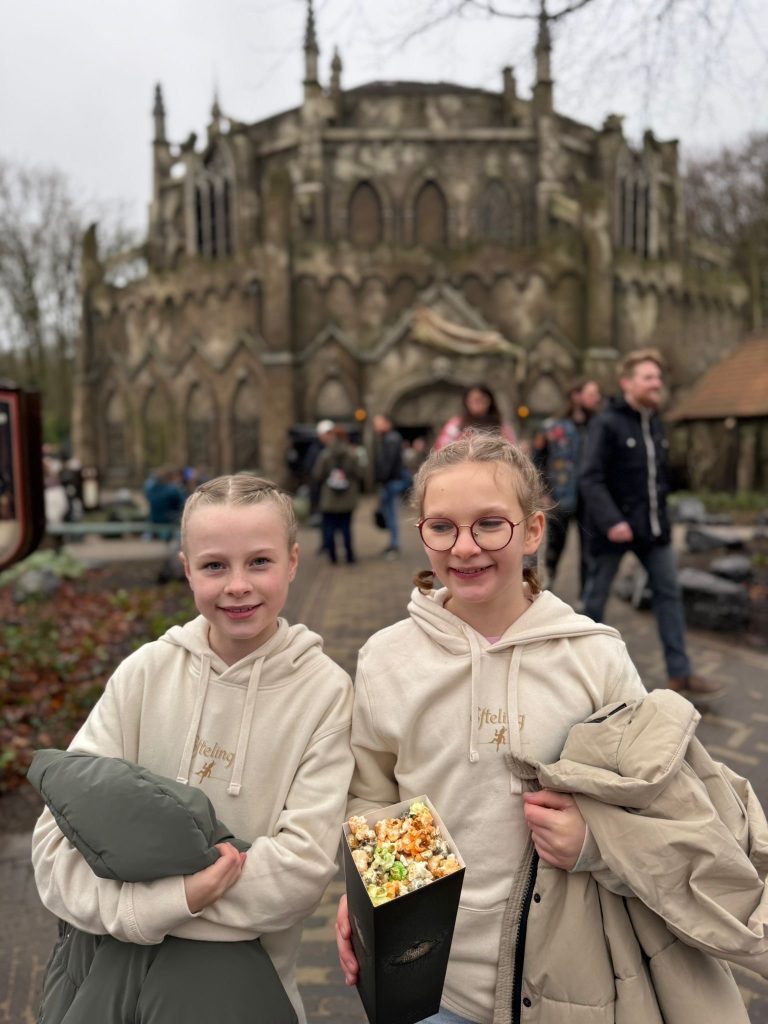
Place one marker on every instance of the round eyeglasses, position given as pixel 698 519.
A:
pixel 491 533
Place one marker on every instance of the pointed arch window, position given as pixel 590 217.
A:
pixel 155 421
pixel 213 208
pixel 116 434
pixel 633 210
pixel 201 428
pixel 246 428
pixel 365 216
pixel 495 220
pixel 430 215
pixel 334 401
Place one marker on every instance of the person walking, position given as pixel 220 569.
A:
pixel 389 475
pixel 323 437
pixel 166 497
pixel 589 817
pixel 556 452
pixel 337 472
pixel 479 411
pixel 624 486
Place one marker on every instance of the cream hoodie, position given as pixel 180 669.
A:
pixel 436 709
pixel 268 740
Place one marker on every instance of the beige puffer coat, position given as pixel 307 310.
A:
pixel 686 835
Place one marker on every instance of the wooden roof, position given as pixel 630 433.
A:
pixel 736 386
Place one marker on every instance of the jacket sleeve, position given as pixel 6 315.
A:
pixel 373 780
pixel 697 856
pixel 140 912
pixel 626 685
pixel 285 874
pixel 593 480
pixel 320 467
pixel 391 458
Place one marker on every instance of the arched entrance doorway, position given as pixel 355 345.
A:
pixel 421 411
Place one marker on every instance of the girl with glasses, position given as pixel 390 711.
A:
pixel 471 700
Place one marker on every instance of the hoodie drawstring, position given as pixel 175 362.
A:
pixel 513 725
pixel 475 654
pixel 245 728
pixel 185 765
pixel 513 711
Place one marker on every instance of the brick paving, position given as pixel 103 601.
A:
pixel 345 604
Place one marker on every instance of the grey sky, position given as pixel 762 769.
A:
pixel 77 76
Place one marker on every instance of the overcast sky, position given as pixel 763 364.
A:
pixel 77 76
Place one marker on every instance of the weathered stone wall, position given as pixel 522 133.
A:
pixel 341 220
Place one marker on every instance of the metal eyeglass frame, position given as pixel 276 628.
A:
pixel 470 526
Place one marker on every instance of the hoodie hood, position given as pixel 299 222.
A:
pixel 546 618
pixel 283 656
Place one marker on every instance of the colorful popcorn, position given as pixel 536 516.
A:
pixel 399 855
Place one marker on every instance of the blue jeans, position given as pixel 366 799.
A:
pixel 446 1017
pixel 389 500
pixel 659 562
pixel 333 523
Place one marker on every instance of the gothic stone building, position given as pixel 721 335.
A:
pixel 379 248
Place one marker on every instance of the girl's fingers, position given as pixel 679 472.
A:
pixel 548 798
pixel 347 958
pixel 540 817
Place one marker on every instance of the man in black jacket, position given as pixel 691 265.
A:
pixel 388 468
pixel 624 485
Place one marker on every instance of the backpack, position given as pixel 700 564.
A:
pixel 337 479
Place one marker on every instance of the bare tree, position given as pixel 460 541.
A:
pixel 727 203
pixel 661 62
pixel 41 231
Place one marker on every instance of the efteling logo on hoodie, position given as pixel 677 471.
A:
pixel 495 722
pixel 492 721
pixel 211 754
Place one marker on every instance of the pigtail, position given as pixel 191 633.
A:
pixel 424 580
pixel 531 577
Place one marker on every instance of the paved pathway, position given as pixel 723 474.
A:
pixel 345 604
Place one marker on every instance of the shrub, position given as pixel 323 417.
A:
pixel 60 651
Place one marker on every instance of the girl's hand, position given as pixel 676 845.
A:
pixel 556 825
pixel 347 957
pixel 206 886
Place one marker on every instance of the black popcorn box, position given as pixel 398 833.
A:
pixel 402 946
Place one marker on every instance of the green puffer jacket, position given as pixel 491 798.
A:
pixel 132 825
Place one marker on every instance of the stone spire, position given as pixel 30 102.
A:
pixel 542 90
pixel 337 97
pixel 214 125
pixel 509 96
pixel 215 106
pixel 311 49
pixel 161 165
pixel 158 113
pixel 336 71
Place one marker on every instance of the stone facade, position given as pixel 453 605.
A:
pixel 290 264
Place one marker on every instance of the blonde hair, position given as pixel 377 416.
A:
pixel 485 447
pixel 632 360
pixel 241 489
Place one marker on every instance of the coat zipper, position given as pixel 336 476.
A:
pixel 522 927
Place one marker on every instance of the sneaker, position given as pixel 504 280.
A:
pixel 694 688
pixel 391 553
